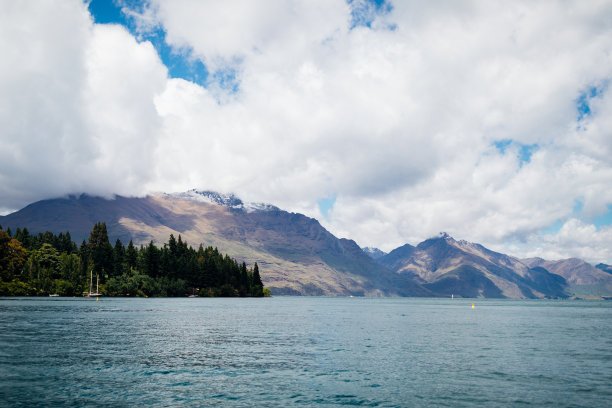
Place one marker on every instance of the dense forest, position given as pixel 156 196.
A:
pixel 45 264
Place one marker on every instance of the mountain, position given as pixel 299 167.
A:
pixel 583 279
pixel 374 253
pixel 295 253
pixel 449 267
pixel 604 267
pixel 298 256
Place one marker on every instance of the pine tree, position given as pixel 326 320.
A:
pixel 257 287
pixel 101 251
pixel 84 258
pixel 151 257
pixel 244 280
pixel 118 258
pixel 131 256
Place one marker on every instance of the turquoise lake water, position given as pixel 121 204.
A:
pixel 308 351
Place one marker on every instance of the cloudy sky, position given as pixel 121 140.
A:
pixel 389 121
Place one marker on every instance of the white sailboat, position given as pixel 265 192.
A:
pixel 96 294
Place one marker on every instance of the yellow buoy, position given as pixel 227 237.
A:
pixel 473 305
pixel 97 300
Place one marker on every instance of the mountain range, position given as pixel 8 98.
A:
pixel 298 256
pixel 460 268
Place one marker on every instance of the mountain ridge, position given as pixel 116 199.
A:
pixel 295 253
pixel 443 265
pixel 300 257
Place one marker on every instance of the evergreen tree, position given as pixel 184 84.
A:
pixel 131 256
pixel 151 257
pixel 256 278
pixel 118 258
pixel 257 287
pixel 101 251
pixel 244 280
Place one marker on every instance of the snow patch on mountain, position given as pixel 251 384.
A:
pixel 226 200
pixel 374 253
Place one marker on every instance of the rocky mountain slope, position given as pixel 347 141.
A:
pixel 295 253
pixel 460 268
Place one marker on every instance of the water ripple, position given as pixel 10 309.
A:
pixel 304 351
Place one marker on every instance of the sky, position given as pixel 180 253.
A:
pixel 388 121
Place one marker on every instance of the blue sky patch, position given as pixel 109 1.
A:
pixel 577 209
pixel 524 151
pixel 227 79
pixel 106 12
pixel 604 220
pixel 582 103
pixel 326 204
pixel 364 12
pixel 502 145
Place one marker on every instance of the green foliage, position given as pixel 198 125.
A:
pixel 65 288
pixel 12 256
pixel 18 288
pixel 226 290
pixel 62 242
pixel 70 271
pixel 49 264
pixel 133 283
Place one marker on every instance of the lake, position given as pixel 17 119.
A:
pixel 310 351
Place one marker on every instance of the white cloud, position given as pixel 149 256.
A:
pixel 123 78
pixel 41 77
pixel 223 32
pixel 399 124
pixel 76 112
pixel 575 239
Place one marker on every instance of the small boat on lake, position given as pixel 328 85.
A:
pixel 96 294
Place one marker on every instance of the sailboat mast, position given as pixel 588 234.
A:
pixel 97 282
pixel 90 281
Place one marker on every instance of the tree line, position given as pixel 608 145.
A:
pixel 45 263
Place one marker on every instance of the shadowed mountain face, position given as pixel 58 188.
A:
pixel 295 253
pixel 449 267
pixel 604 267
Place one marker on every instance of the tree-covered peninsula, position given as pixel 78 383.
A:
pixel 46 263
